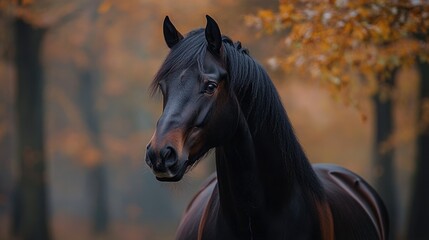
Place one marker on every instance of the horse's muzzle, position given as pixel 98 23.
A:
pixel 165 163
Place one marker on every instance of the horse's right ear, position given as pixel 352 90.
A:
pixel 213 36
pixel 171 35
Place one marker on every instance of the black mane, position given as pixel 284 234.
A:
pixel 256 94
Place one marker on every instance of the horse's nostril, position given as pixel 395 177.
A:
pixel 165 152
pixel 168 156
pixel 150 157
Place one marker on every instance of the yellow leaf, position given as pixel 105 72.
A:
pixel 266 14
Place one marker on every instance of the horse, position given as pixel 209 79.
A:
pixel 216 96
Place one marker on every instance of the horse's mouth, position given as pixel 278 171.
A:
pixel 175 178
pixel 175 174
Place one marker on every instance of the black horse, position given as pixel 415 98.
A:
pixel 216 96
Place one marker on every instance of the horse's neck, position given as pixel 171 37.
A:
pixel 252 178
pixel 236 166
pixel 240 189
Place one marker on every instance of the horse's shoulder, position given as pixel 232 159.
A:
pixel 205 190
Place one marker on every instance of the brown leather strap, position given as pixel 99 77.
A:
pixel 326 220
pixel 206 210
pixel 203 221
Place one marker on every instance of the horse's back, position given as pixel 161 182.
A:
pixel 358 212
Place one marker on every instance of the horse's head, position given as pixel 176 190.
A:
pixel 197 106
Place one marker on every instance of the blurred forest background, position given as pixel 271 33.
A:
pixel 76 115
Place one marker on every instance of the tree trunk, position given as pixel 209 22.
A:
pixel 384 156
pixel 100 216
pixel 30 217
pixel 97 169
pixel 419 203
pixel 88 85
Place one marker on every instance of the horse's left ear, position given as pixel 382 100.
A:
pixel 213 36
pixel 171 35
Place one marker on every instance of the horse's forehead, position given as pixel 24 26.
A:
pixel 182 74
pixel 183 78
pixel 190 74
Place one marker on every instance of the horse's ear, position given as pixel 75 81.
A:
pixel 171 35
pixel 213 36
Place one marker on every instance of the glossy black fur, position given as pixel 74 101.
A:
pixel 217 96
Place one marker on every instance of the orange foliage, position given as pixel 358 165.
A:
pixel 346 43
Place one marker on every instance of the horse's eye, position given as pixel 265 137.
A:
pixel 210 87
